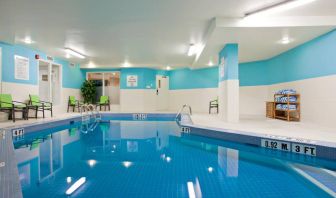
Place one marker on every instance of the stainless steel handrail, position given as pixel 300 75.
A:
pixel 181 110
pixel 91 112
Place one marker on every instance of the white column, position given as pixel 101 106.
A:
pixel 228 88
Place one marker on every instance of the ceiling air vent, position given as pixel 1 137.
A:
pixel 72 64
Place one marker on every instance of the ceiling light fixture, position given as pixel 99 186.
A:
pixel 285 40
pixel 191 50
pixel 91 65
pixel 74 53
pixel 279 7
pixel 126 64
pixel 28 40
pixel 168 68
pixel 210 63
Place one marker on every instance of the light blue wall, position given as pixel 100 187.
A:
pixel 193 79
pixel 253 74
pixel 72 76
pixel 315 58
pixel 230 65
pixel 146 76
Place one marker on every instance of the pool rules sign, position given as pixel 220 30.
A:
pixel 21 65
pixel 132 81
pixel 289 147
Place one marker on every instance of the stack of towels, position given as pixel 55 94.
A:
pixel 285 107
pixel 286 91
pixel 286 99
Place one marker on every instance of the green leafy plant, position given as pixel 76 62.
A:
pixel 88 90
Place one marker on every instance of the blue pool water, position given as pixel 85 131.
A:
pixel 151 159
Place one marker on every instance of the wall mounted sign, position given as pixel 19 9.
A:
pixel 289 147
pixel 132 81
pixel 21 67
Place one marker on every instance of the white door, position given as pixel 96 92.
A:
pixel 44 81
pixel 55 84
pixel 162 87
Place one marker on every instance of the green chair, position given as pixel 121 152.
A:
pixel 38 105
pixel 9 106
pixel 213 104
pixel 104 102
pixel 72 102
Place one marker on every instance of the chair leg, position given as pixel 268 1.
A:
pixel 68 108
pixel 13 115
pixel 73 108
pixel 51 111
pixel 36 111
pixel 43 112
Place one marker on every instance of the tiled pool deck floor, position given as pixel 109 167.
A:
pixel 262 126
pixel 255 125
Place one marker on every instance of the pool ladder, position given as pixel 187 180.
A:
pixel 181 111
pixel 88 113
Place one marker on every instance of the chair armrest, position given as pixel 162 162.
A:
pixel 41 101
pixel 19 102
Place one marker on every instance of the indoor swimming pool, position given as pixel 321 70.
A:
pixel 152 158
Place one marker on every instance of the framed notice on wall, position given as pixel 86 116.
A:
pixel 21 67
pixel 132 81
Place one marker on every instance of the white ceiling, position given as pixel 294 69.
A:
pixel 152 33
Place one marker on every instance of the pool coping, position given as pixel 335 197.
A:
pixel 324 149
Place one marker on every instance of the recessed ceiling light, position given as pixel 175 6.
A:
pixel 74 53
pixel 91 65
pixel 126 64
pixel 191 50
pixel 210 63
pixel 279 7
pixel 285 40
pixel 67 56
pixel 168 68
pixel 28 40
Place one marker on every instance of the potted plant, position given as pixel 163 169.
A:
pixel 88 91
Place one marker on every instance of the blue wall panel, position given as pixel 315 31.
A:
pixel 193 79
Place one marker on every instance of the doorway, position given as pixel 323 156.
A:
pixel 50 77
pixel 162 92
pixel 107 84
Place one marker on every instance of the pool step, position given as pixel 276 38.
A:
pixel 323 178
